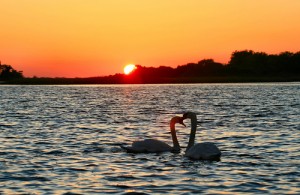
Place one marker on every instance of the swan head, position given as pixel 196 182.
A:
pixel 177 119
pixel 189 115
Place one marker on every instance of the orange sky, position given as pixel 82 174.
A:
pixel 82 38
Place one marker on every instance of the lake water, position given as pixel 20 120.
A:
pixel 65 139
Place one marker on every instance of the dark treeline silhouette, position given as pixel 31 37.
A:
pixel 244 66
pixel 8 73
pixel 206 67
pixel 259 63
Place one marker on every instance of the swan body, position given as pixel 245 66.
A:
pixel 204 151
pixel 200 151
pixel 148 146
pixel 156 146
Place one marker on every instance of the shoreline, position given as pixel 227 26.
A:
pixel 129 80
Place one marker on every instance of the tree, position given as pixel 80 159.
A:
pixel 205 67
pixel 8 73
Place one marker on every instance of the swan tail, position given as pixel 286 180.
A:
pixel 131 149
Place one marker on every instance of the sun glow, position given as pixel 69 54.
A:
pixel 129 68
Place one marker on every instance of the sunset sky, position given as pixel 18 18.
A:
pixel 83 38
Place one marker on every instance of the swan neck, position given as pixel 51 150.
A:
pixel 193 132
pixel 176 145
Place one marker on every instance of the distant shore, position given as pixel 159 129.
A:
pixel 123 79
pixel 244 67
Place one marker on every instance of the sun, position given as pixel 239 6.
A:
pixel 129 68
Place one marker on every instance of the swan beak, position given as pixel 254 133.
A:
pixel 181 122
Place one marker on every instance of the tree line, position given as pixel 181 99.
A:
pixel 242 63
pixel 260 63
pixel 243 66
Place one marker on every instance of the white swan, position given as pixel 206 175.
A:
pixel 156 146
pixel 200 151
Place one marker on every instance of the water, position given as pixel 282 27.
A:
pixel 65 139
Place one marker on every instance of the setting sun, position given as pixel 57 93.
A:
pixel 129 68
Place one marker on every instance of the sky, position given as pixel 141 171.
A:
pixel 85 38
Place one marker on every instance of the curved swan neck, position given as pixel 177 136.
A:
pixel 193 131
pixel 176 145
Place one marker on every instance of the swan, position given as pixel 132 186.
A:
pixel 200 151
pixel 156 146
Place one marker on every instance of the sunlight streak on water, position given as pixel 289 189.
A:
pixel 65 139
